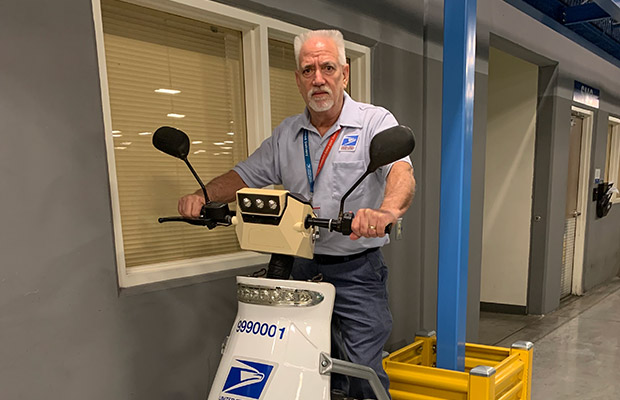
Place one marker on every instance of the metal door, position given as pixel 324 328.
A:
pixel 572 214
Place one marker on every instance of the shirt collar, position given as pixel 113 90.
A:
pixel 350 116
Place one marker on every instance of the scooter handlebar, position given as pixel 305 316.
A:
pixel 209 223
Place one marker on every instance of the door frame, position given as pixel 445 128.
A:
pixel 582 196
pixel 613 164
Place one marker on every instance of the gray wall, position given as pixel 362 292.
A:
pixel 66 332
pixel 404 256
pixel 602 256
pixel 549 192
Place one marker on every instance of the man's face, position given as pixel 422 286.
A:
pixel 320 78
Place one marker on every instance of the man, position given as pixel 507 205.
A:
pixel 332 137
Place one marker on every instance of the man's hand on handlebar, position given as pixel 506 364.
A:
pixel 190 205
pixel 371 223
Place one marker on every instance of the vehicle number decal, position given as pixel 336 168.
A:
pixel 260 328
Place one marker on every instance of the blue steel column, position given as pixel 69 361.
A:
pixel 459 55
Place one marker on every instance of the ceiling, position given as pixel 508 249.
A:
pixel 595 24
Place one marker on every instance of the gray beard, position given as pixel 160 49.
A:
pixel 321 106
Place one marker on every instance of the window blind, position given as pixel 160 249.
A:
pixel 147 50
pixel 285 98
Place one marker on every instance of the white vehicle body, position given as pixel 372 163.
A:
pixel 274 350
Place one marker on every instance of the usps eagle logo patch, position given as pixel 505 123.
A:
pixel 349 142
pixel 247 379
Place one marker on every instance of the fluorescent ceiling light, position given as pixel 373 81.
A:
pixel 175 115
pixel 126 143
pixel 199 151
pixel 216 154
pixel 228 141
pixel 226 148
pixel 226 152
pixel 116 131
pixel 230 133
pixel 145 133
pixel 117 135
pixel 120 148
pixel 219 143
pixel 197 142
pixel 168 91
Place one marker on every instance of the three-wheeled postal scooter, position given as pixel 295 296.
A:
pixel 279 344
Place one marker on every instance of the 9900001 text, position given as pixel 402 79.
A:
pixel 258 328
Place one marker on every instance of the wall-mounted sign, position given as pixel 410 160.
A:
pixel 585 94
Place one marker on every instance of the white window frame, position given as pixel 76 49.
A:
pixel 614 156
pixel 256 30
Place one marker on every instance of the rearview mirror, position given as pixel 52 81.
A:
pixel 172 142
pixel 390 145
pixel 175 143
pixel 386 147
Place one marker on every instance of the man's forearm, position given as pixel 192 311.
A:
pixel 223 188
pixel 399 189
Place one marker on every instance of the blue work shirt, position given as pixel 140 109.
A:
pixel 280 160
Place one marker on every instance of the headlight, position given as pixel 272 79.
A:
pixel 277 296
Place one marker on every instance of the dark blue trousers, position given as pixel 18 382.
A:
pixel 361 321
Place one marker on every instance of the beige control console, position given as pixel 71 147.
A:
pixel 272 221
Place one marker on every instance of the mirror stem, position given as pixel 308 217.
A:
pixel 340 214
pixel 202 185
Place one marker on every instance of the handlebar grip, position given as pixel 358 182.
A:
pixel 342 225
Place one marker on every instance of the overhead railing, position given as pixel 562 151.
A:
pixel 584 13
pixel 594 25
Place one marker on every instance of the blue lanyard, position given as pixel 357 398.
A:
pixel 309 172
pixel 326 151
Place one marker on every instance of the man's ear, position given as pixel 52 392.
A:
pixel 345 74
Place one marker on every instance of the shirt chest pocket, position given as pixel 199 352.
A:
pixel 345 174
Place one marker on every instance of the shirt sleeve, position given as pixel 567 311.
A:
pixel 261 168
pixel 387 120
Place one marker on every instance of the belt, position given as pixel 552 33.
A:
pixel 327 259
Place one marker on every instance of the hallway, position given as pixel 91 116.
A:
pixel 576 348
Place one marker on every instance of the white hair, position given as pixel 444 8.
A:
pixel 333 34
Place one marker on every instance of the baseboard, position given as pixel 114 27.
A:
pixel 503 308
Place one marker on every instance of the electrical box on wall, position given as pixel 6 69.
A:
pixel 602 194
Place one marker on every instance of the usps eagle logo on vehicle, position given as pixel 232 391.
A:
pixel 247 379
pixel 349 142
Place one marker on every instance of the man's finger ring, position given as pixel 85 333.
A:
pixel 372 227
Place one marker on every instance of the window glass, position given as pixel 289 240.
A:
pixel 200 67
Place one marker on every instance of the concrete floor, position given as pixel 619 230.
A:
pixel 576 348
